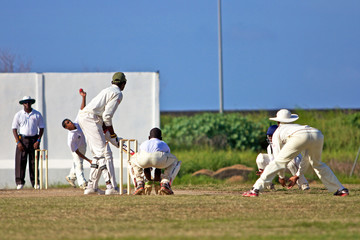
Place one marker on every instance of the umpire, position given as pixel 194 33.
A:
pixel 28 128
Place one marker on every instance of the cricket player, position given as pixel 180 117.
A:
pixel 155 153
pixel 289 140
pixel 97 113
pixel 264 159
pixel 77 144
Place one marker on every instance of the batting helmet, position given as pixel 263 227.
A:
pixel 271 130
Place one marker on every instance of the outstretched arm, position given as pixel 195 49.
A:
pixel 83 102
pixel 82 156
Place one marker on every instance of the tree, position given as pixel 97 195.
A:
pixel 10 62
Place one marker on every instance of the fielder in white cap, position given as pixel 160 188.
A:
pixel 289 140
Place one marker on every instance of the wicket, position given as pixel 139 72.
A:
pixel 43 156
pixel 127 149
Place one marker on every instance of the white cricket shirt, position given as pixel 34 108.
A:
pixel 154 145
pixel 28 124
pixel 105 104
pixel 76 138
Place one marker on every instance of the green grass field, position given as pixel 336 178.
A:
pixel 194 212
pixel 202 207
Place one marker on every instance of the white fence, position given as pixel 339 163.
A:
pixel 57 97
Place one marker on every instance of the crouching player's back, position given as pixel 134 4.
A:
pixel 155 153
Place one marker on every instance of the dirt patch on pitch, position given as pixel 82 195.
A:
pixel 71 192
pixel 235 173
pixel 53 192
pixel 203 192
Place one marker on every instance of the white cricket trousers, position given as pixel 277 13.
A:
pixel 310 142
pixel 108 173
pixel 91 126
pixel 110 166
pixel 166 161
pixel 263 159
pixel 77 168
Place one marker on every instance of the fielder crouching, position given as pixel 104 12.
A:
pixel 289 140
pixel 263 159
pixel 155 153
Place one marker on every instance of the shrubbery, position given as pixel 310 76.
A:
pixel 340 128
pixel 216 130
pixel 212 141
pixel 239 131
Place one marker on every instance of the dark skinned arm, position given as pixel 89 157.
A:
pixel 37 143
pixel 83 102
pixel 19 143
pixel 82 156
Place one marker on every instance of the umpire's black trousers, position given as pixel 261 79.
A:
pixel 21 160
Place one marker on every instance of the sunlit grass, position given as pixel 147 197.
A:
pixel 281 214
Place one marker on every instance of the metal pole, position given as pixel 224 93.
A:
pixel 221 110
pixel 353 168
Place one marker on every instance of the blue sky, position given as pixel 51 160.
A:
pixel 276 54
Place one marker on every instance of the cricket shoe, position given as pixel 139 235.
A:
pixel 148 187
pixel 89 191
pixel 251 193
pixel 111 191
pixel 342 193
pixel 305 187
pixel 84 185
pixel 71 181
pixel 139 190
pixel 19 186
pixel 165 189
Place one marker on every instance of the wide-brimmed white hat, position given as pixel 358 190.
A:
pixel 285 116
pixel 27 99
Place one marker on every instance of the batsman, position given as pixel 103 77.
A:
pixel 97 113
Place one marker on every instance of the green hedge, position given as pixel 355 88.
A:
pixel 219 131
pixel 341 128
pixel 239 131
pixel 213 141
